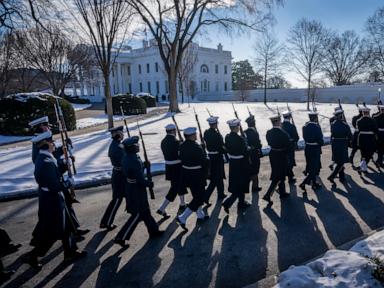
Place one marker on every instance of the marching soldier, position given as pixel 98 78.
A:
pixel 194 165
pixel 238 167
pixel 313 137
pixel 42 125
pixel 216 151
pixel 341 136
pixel 137 203
pixel 291 130
pixel 280 144
pixel 253 140
pixel 355 134
pixel 379 118
pixel 54 222
pixel 115 154
pixel 366 139
pixel 170 148
pixel 331 120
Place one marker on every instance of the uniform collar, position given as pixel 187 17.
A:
pixel 45 152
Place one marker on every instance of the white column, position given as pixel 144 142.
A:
pixel 119 78
pixel 74 93
pixel 82 87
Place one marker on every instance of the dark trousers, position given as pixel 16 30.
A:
pixel 214 183
pixel 272 188
pixel 43 245
pixel 72 214
pixel 338 170
pixel 198 194
pixel 231 199
pixel 129 227
pixel 110 213
pixel 175 189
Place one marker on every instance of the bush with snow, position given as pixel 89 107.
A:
pixel 17 110
pixel 131 105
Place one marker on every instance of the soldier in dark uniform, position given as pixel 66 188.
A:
pixel 239 176
pixel 115 154
pixel 341 137
pixel 6 248
pixel 366 140
pixel 170 148
pixel 313 138
pixel 291 130
pixel 136 190
pixel 42 125
pixel 331 120
pixel 355 135
pixel 194 165
pixel 278 140
pixel 379 119
pixel 216 151
pixel 255 153
pixel 54 220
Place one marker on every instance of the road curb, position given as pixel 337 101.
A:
pixel 272 279
pixel 31 193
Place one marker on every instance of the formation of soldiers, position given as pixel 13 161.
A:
pixel 191 165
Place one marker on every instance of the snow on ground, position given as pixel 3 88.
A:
pixel 79 107
pixel 338 268
pixel 12 139
pixel 92 163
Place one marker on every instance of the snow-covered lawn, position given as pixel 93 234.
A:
pixel 79 107
pixel 12 139
pixel 92 162
pixel 339 268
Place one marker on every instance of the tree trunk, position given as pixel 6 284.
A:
pixel 173 103
pixel 108 101
pixel 182 91
pixel 309 91
pixel 265 84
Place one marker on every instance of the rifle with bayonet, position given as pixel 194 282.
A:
pixel 64 141
pixel 125 121
pixel 237 117
pixel 289 109
pixel 249 111
pixel 200 132
pixel 147 163
pixel 177 128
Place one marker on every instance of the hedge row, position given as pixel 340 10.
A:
pixel 17 110
pixel 131 105
pixel 77 100
pixel 150 100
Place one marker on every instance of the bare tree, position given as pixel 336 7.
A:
pixel 268 58
pixel 51 52
pixel 345 57
pixel 6 63
pixel 174 24
pixel 186 67
pixel 306 40
pixel 375 29
pixel 105 23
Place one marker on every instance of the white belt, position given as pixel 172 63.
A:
pixel 192 167
pixel 44 189
pixel 235 156
pixel 131 181
pixel 117 168
pixel 381 129
pixel 213 152
pixel 172 162
pixel 367 133
pixel 334 138
pixel 311 143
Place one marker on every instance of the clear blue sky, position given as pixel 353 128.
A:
pixel 335 14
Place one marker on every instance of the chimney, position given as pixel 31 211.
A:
pixel 220 47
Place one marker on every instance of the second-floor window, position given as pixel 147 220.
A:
pixel 147 67
pixel 139 69
pixel 157 67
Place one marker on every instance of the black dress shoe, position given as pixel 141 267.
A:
pixel 181 224
pixel 121 243
pixel 82 232
pixel 74 255
pixel 207 204
pixel 330 167
pixel 267 198
pixel 226 209
pixel 6 275
pixel 163 214
pixel 302 187
pixel 32 261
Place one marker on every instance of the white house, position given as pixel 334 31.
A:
pixel 142 70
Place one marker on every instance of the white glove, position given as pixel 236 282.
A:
pixel 69 161
pixel 70 181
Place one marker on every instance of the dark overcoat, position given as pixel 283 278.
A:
pixel 341 137
pixel 288 127
pixel 280 145
pixel 115 154
pixel 379 119
pixel 366 140
pixel 313 137
pixel 255 153
pixel 215 146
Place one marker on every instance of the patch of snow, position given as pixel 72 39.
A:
pixel 23 97
pixel 79 107
pixel 338 268
pixel 12 139
pixel 92 162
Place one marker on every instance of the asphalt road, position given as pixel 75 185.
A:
pixel 226 251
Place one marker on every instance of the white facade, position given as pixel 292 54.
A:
pixel 141 70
